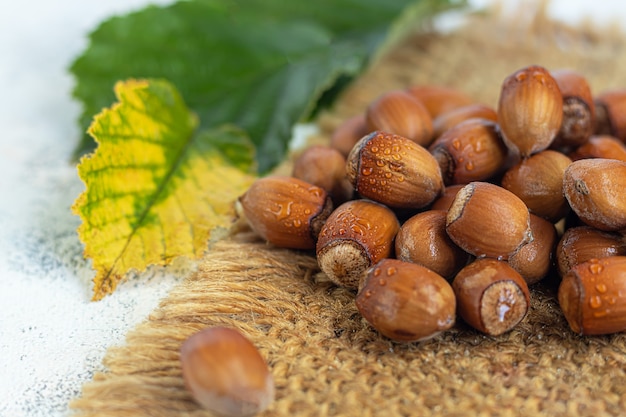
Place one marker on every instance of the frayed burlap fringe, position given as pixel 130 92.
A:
pixel 326 360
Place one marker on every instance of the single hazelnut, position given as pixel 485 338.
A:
pixel 592 296
pixel 530 110
pixel 357 234
pixel 406 302
pixel 325 167
pixel 534 260
pixel 472 150
pixel 582 243
pixel 491 296
pixel 455 116
pixel 348 133
pixel 444 201
pixel 225 373
pixel 487 220
pixel 611 113
pixel 594 189
pixel 423 240
pixel 285 211
pixel 538 182
pixel 579 113
pixel 439 99
pixel 399 112
pixel 394 170
pixel 600 146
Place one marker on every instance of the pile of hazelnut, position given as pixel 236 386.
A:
pixel 431 205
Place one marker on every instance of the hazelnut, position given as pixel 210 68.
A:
pixel 348 133
pixel 225 373
pixel 400 113
pixel 423 240
pixel 325 167
pixel 487 220
pixel 579 113
pixel 594 189
pixel 447 197
pixel 394 170
pixel 592 296
pixel 491 296
pixel 600 146
pixel 534 260
pixel 538 182
pixel 611 113
pixel 472 150
pixel 285 211
pixel 530 110
pixel 582 243
pixel 455 116
pixel 439 99
pixel 406 302
pixel 357 234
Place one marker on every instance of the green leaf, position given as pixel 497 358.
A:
pixel 258 64
pixel 155 187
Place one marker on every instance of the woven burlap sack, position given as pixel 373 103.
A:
pixel 326 360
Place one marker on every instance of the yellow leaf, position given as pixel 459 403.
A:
pixel 155 188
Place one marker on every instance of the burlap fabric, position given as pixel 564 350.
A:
pixel 326 360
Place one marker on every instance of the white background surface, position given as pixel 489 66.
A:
pixel 52 338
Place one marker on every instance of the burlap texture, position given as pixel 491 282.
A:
pixel 326 360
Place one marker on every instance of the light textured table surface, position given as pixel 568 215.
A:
pixel 52 338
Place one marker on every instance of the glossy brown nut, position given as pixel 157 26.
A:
pixel 487 220
pixel 579 113
pixel 455 116
pixel 399 112
pixel 394 170
pixel 538 182
pixel 594 189
pixel 534 260
pixel 286 211
pixel 439 99
pixel 611 113
pixel 592 296
pixel 348 133
pixel 491 296
pixel 602 146
pixel 357 234
pixel 406 302
pixel 423 240
pixel 225 373
pixel 472 150
pixel 325 167
pixel 530 110
pixel 582 243
pixel 447 197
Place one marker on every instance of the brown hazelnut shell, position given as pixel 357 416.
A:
pixel 592 296
pixel 394 170
pixel 406 302
pixel 356 235
pixel 491 296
